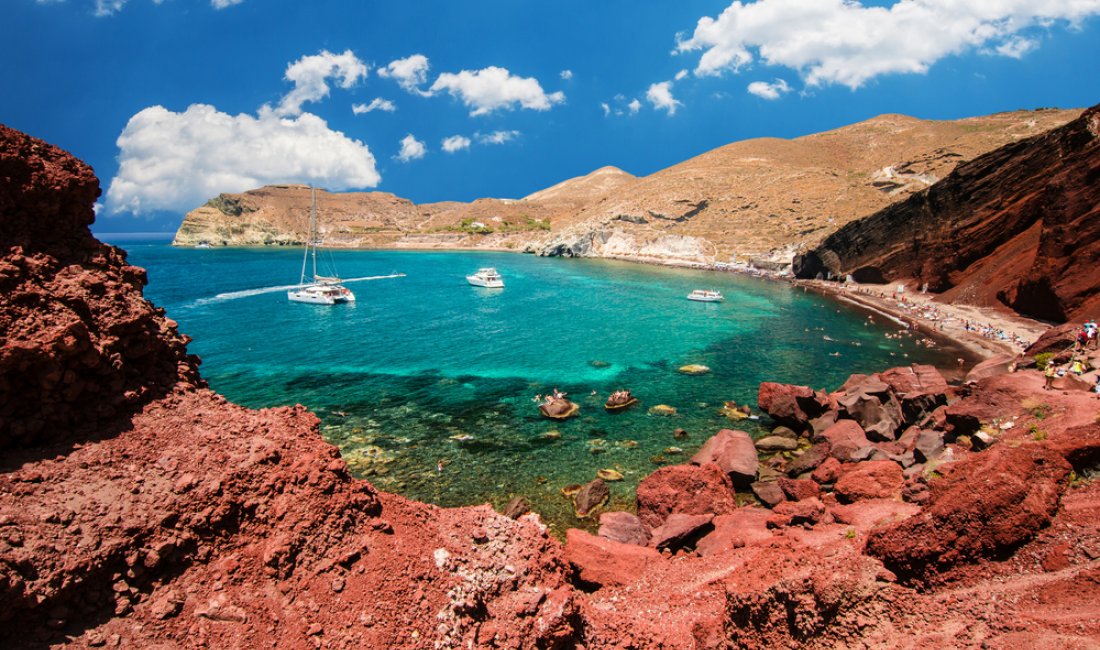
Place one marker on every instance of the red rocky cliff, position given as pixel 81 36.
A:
pixel 1019 225
pixel 80 343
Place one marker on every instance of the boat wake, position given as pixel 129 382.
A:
pixel 248 293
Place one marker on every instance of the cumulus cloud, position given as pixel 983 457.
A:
pixel 409 73
pixel 606 108
pixel 176 161
pixel 455 143
pixel 660 95
pixel 567 74
pixel 680 75
pixel 222 4
pixel 634 106
pixel 310 75
pixel 494 88
pixel 377 104
pixel 843 42
pixel 411 149
pixel 497 137
pixel 769 90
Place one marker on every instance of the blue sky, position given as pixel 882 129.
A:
pixel 174 101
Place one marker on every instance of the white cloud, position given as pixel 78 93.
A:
pixel 843 42
pixel 606 109
pixel 567 74
pixel 634 106
pixel 111 7
pixel 769 90
pixel 1016 47
pixel 409 73
pixel 660 95
pixel 493 88
pixel 310 75
pixel 411 149
pixel 108 7
pixel 176 161
pixel 455 143
pixel 376 104
pixel 680 75
pixel 497 137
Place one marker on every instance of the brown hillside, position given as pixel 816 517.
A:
pixel 748 198
pixel 1018 225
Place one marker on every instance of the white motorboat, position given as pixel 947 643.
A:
pixel 706 295
pixel 487 277
pixel 324 290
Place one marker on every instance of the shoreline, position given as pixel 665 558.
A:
pixel 942 322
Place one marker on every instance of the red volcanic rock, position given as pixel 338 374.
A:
pixel 919 388
pixel 791 406
pixel 799 489
pixel 827 472
pixel 983 505
pixel 732 451
pixel 1058 341
pixel 998 365
pixel 80 345
pixel 797 513
pixel 769 492
pixel 871 513
pixel 594 494
pixel 809 459
pixel 844 439
pixel 681 532
pixel 601 562
pixel 914 380
pixel 743 526
pixel 875 479
pixel 1015 225
pixel 686 489
pixel 624 528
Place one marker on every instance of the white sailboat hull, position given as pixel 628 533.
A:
pixel 321 294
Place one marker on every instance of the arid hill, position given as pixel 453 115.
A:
pixel 756 198
pixel 1019 226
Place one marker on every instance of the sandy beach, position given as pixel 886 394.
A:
pixel 982 331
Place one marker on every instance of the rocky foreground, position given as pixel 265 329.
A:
pixel 139 509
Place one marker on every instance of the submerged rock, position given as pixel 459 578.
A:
pixel 591 496
pixel 694 369
pixel 663 410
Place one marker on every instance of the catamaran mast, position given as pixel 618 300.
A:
pixel 313 228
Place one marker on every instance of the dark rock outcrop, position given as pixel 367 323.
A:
pixel 1019 225
pixel 80 346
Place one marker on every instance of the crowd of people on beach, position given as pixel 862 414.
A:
pixel 1085 339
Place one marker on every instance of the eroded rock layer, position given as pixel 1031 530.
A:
pixel 1019 225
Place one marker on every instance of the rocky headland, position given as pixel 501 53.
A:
pixel 759 200
pixel 1018 226
pixel 896 510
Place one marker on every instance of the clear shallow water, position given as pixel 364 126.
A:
pixel 425 368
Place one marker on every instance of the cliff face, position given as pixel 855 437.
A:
pixel 1018 225
pixel 78 343
pixel 749 198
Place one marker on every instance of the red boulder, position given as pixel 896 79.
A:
pixel 734 452
pixel 687 489
pixel 875 479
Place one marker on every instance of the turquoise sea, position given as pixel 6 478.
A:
pixel 427 369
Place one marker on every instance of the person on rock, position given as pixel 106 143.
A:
pixel 1049 373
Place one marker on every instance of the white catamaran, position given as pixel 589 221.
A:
pixel 324 290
